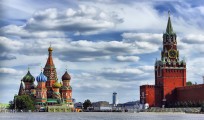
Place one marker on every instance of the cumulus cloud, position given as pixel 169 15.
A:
pixel 55 23
pixel 125 74
pixel 86 50
pixel 8 44
pixel 127 58
pixel 9 71
pixel 6 56
pixel 20 31
pixel 193 39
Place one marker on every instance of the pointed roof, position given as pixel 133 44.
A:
pixel 49 69
pixel 50 60
pixel 169 28
pixel 21 89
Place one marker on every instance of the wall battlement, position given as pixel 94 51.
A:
pixel 147 86
pixel 190 87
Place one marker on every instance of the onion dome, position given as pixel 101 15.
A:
pixel 66 76
pixel 56 85
pixel 50 49
pixel 28 78
pixel 41 78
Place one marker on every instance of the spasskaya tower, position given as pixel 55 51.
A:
pixel 170 72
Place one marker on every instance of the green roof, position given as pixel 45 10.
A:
pixel 52 100
pixel 169 28
pixel 28 77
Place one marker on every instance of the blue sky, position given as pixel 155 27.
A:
pixel 106 45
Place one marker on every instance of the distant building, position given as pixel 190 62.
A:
pixel 115 101
pixel 101 105
pixel 129 105
pixel 170 77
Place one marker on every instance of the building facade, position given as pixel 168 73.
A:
pixel 48 92
pixel 170 77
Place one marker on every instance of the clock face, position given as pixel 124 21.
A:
pixel 172 53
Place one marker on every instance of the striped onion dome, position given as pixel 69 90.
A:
pixel 41 78
pixel 28 77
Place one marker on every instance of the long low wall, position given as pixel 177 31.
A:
pixel 192 93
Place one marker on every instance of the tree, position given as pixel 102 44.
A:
pixel 189 83
pixel 11 105
pixel 86 104
pixel 24 102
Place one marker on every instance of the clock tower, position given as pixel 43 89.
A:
pixel 170 72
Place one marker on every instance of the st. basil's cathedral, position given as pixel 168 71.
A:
pixel 48 92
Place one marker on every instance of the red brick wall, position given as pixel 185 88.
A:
pixel 170 79
pixel 190 93
pixel 149 94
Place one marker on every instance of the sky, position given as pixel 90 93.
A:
pixel 106 45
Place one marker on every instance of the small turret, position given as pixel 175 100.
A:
pixel 21 89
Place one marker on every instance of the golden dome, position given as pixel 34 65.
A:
pixel 50 49
pixel 56 85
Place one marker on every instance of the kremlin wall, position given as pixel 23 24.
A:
pixel 170 78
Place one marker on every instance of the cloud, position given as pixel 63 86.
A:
pixel 9 71
pixel 56 23
pixel 193 39
pixel 20 31
pixel 139 37
pixel 125 74
pixel 127 58
pixel 85 50
pixel 8 44
pixel 5 56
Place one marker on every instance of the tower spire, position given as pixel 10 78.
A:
pixel 21 89
pixel 49 69
pixel 169 28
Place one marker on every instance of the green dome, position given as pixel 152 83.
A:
pixel 56 85
pixel 28 78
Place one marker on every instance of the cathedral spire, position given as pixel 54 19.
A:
pixel 169 28
pixel 49 69
pixel 21 89
pixel 49 60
